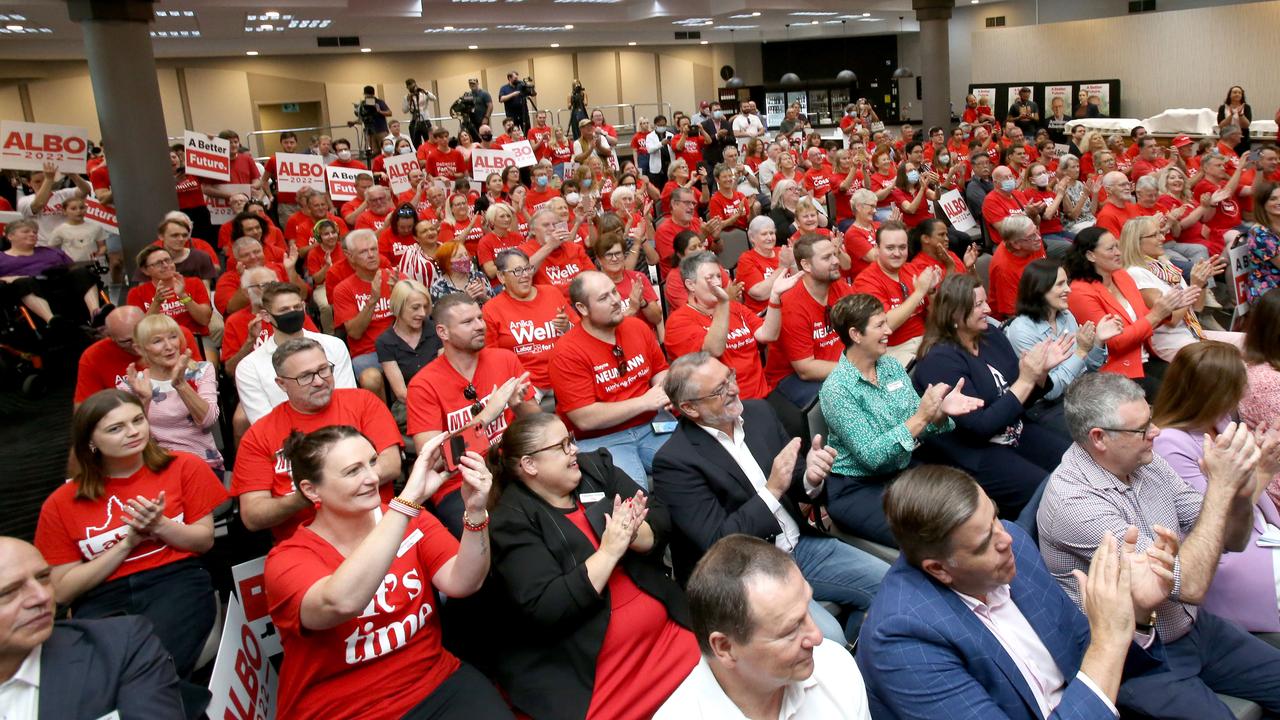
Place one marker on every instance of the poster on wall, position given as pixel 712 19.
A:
pixel 1057 106
pixel 1098 94
pixel 986 98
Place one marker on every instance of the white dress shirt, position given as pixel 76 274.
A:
pixel 746 127
pixel 834 691
pixel 256 378
pixel 737 448
pixel 20 694
pixel 1006 622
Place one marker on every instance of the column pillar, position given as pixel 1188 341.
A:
pixel 935 62
pixel 122 68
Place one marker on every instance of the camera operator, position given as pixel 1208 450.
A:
pixel 415 103
pixel 484 103
pixel 515 97
pixel 577 107
pixel 373 113
pixel 464 110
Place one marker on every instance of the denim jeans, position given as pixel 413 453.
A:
pixel 632 449
pixel 842 574
pixel 801 393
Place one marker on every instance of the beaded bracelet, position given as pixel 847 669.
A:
pixel 467 525
pixel 404 507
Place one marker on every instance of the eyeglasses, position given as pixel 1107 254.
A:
pixel 1149 236
pixel 307 378
pixel 1140 432
pixel 520 271
pixel 621 357
pixel 469 392
pixel 565 445
pixel 615 255
pixel 730 383
pixel 160 263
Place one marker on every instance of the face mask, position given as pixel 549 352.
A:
pixel 461 267
pixel 913 177
pixel 344 155
pixel 404 150
pixel 573 199
pixel 586 183
pixel 944 159
pixel 719 114
pixel 486 137
pixel 661 129
pixel 543 180
pixel 290 322
pixel 1008 186
pixel 1041 180
pixel 388 149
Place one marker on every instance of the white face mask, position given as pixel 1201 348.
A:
pixel 388 149
pixel 344 155
pixel 1041 180
pixel 573 199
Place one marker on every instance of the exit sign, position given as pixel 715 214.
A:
pixel 289 107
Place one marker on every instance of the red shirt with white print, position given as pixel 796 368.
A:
pixel 349 298
pixel 586 370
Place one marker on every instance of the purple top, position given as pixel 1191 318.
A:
pixel 1244 588
pixel 40 259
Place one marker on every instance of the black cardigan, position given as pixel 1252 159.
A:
pixel 557 621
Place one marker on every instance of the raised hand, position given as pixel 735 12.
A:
pixel 139 384
pixel 735 291
pixel 376 286
pixel 784 464
pixel 1152 577
pixel 1107 595
pixel 819 461
pixel 1230 459
pixel 1086 336
pixel 788 280
pixel 956 402
pixel 424 477
pixel 971 255
pixel 180 370
pixel 620 529
pixel 144 515
pixel 561 321
pixel 1109 327
pixel 721 295
pixel 476 482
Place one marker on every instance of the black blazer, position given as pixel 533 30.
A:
pixel 558 621
pixel 714 151
pixel 709 496
pixel 89 668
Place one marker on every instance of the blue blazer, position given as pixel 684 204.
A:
pixel 925 655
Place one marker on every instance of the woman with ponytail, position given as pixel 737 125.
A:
pixel 598 630
pixel 351 592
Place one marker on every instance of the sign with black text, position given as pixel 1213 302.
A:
pixel 207 157
pixel 28 146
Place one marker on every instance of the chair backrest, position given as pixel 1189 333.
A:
pixel 983 266
pixel 817 423
pixel 732 244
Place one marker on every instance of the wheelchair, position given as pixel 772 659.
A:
pixel 33 352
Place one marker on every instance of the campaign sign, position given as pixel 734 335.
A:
pixel 207 157
pixel 484 162
pixel 295 171
pixel 957 211
pixel 99 214
pixel 251 588
pixel 522 152
pixel 220 211
pixel 342 181
pixel 28 146
pixel 243 683
pixel 398 170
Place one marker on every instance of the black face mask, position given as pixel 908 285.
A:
pixel 486 137
pixel 290 322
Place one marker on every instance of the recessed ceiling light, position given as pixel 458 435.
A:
pixel 14 28
pixel 866 14
pixel 266 27
pixel 366 49
pixel 704 42
pixel 568 27
pixel 813 22
pixel 812 13
pixel 631 44
pixel 555 44
pixel 448 27
pixel 271 14
pixel 251 53
pixel 473 47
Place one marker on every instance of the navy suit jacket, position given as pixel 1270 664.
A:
pixel 925 655
pixel 89 668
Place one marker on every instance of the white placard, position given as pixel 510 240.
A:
pixel 99 214
pixel 251 588
pixel 957 211
pixel 522 152
pixel 295 171
pixel 342 181
pixel 28 146
pixel 484 162
pixel 220 211
pixel 207 157
pixel 243 683
pixel 398 169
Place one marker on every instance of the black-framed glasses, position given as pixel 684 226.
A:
pixel 613 256
pixel 1140 432
pixel 621 357
pixel 565 444
pixel 520 271
pixel 161 263
pixel 307 378
pixel 730 383
pixel 469 392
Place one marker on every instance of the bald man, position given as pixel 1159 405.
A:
pixel 102 364
pixel 1120 207
pixel 1005 200
pixel 75 669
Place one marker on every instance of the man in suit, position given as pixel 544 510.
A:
pixel 729 467
pixel 970 624
pixel 721 131
pixel 74 669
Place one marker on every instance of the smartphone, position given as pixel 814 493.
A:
pixel 454 448
pixel 663 427
pixel 1254 154
pixel 562 226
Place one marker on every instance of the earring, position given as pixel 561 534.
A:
pixel 93 448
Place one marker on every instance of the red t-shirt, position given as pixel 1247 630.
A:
pixel 379 664
pixel 141 296
pixel 1191 233
pixel 858 242
pixel 448 165
pixel 923 260
pixel 470 239
pixel 1112 217
pixel 535 199
pixel 754 268
pixel 1053 225
pixel 299 226
pixel 722 207
pixel 678 295
pixel 821 181
pixel 644 656
pixel 491 244
pixel 844 198
pixel 690 150
pixel 369 220
pixel 235 331
pixel 880 182
pixel 317 256
pixel 892 293
pixel 71 530
pixel 392 246
pixel 997 207
pixel 229 284
pixel 561 266
pixel 664 238
pixel 437 402
pixel 687 328
pixel 627 285
pixel 922 212
pixel 561 154
pixel 260 461
pixel 244 170
pixel 352 164
pixel 189 191
pixel 668 190
pixel 104 363
pixel 585 370
pixel 1142 167
pixel 1005 274
pixel 805 331
pixel 525 328
pixel 350 297
pixel 1226 217
pixel 100 177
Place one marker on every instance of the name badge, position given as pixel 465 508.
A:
pixel 895 385
pixel 590 497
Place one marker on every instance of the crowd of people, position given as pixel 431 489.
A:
pixel 540 446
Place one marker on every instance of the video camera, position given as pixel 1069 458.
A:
pixel 366 110
pixel 526 86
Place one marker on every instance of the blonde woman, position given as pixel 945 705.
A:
pixel 409 344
